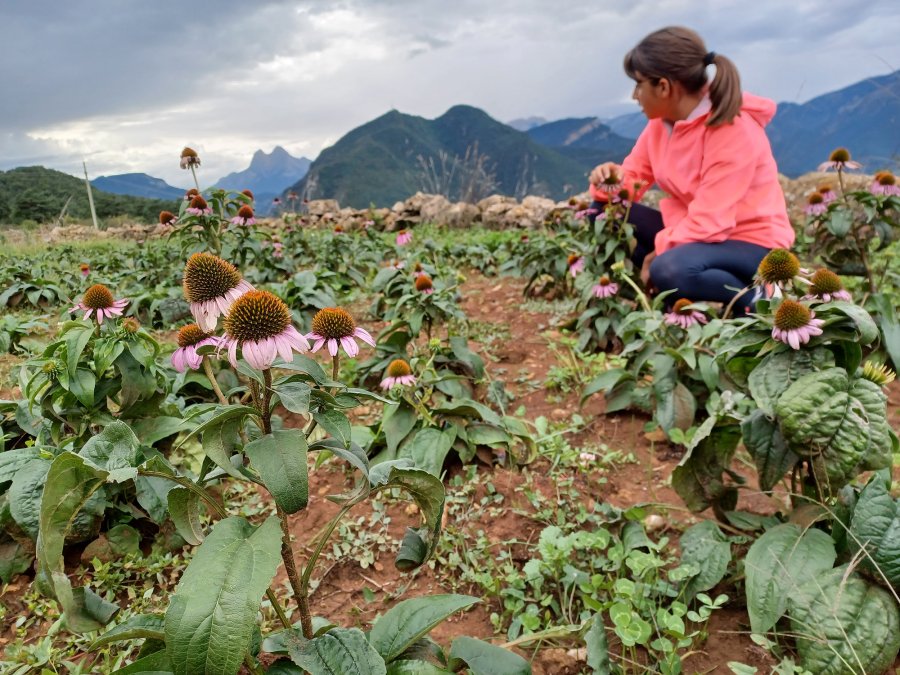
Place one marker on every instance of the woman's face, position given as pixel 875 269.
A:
pixel 653 95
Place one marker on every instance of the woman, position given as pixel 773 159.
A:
pixel 704 145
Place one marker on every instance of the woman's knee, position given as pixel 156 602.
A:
pixel 665 273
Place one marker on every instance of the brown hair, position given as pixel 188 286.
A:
pixel 679 55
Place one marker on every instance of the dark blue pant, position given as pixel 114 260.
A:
pixel 699 271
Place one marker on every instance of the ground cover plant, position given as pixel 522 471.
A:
pixel 375 451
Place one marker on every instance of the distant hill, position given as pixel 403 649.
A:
pixel 385 160
pixel 629 125
pixel 138 185
pixel 268 173
pixel 526 123
pixel 864 118
pixel 39 194
pixel 586 140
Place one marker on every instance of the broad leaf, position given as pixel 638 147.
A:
pixel 398 422
pixel 483 658
pixel 766 445
pixel 280 459
pixel 294 396
pixel 698 477
pixel 156 663
pixel 134 628
pixel 875 526
pixel 777 564
pixel 340 650
pixel 429 447
pixel 778 370
pixel 407 621
pixel 597 647
pixel 211 617
pixel 336 424
pixel 704 546
pixel 114 450
pixel 184 507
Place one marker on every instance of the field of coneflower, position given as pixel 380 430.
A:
pixel 255 446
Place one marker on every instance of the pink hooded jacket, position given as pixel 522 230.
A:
pixel 721 182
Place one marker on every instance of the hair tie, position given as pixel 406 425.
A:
pixel 709 58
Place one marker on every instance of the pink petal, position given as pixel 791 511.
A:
pixel 350 346
pixel 332 347
pixel 365 336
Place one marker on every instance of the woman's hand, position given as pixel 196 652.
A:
pixel 603 171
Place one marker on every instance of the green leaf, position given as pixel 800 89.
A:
pixel 152 429
pixel 280 459
pixel 398 422
pixel 77 338
pixel 294 396
pixel 138 382
pixel 598 647
pixel 604 382
pixel 71 482
pixel 340 650
pixel 778 370
pixel 184 507
pixel 220 436
pixel 156 663
pixel 336 424
pixel 211 617
pixel 777 564
pixel 766 445
pixel 355 455
pixel 478 433
pixel 868 330
pixel 133 628
pixel 844 624
pixel 875 526
pixel 698 477
pixel 124 539
pixel 483 658
pixel 428 448
pixel 425 489
pixel 12 461
pixel 25 495
pixel 114 450
pixel 704 546
pixel 82 384
pixel 415 667
pixel 396 630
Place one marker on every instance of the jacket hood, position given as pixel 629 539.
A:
pixel 762 110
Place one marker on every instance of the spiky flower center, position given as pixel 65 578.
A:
pixel 778 266
pixel 885 178
pixel 166 217
pixel 825 188
pixel 245 212
pixel 572 259
pixel 191 334
pixel 130 325
pixel 338 228
pixel 612 179
pixel 605 281
pixel 98 296
pixel 825 281
pixel 423 283
pixel 815 198
pixel 84 267
pixel 50 368
pixel 247 193
pixel 839 155
pixel 417 267
pixel 623 194
pixel 188 152
pixel 257 315
pixel 193 192
pixel 878 373
pixel 683 306
pixel 333 323
pixel 791 315
pixel 198 202
pixel 207 277
pixel 398 368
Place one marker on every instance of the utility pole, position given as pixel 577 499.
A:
pixel 87 184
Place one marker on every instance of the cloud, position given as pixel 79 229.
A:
pixel 127 84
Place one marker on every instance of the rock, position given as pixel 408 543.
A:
pixel 493 200
pixel 495 214
pixel 459 215
pixel 432 209
pixel 319 207
pixel 654 522
pixel 100 548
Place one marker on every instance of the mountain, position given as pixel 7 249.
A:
pixel 267 174
pixel 464 154
pixel 864 118
pixel 138 185
pixel 38 194
pixel 629 125
pixel 526 123
pixel 585 139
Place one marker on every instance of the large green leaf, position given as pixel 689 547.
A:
pixel 134 628
pixel 483 658
pixel 336 424
pixel 777 564
pixel 698 477
pixel 11 461
pixel 398 422
pixel 415 667
pixel 184 507
pixel 211 617
pixel 844 624
pixel 875 526
pixel 156 663
pixel 220 436
pixel 778 370
pixel 340 650
pixel 597 647
pixel 704 546
pixel 71 483
pixel 407 621
pixel 114 450
pixel 429 447
pixel 766 445
pixel 428 493
pixel 280 459
pixel 25 495
pixel 294 396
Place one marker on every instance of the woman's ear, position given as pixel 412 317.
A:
pixel 664 88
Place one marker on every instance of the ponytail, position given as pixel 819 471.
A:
pixel 724 92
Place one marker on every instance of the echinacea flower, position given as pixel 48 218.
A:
pixel 167 217
pixel 259 324
pixel 795 324
pixel 276 201
pixel 878 373
pixel 885 183
pixel 611 184
pixel 85 270
pixel 397 264
pixel 190 339
pixel 839 160
pixel 338 229
pixel 199 207
pixel 815 204
pixel 585 213
pixel 398 373
pixel 826 286
pixel 211 285
pixel 189 158
pixel 248 193
pixel 424 284
pixel 403 237
pixel 605 288
pixel 334 327
pixel 98 300
pixel 779 267
pixel 827 192
pixel 277 251
pixel 575 264
pixel 418 270
pixel 129 326
pixel 190 194
pixel 244 216
pixel 683 315
pixel 621 196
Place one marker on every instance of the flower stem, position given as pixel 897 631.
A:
pixel 290 566
pixel 642 298
pixel 207 368
pixel 265 402
pixel 194 174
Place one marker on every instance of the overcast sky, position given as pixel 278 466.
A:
pixel 125 84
